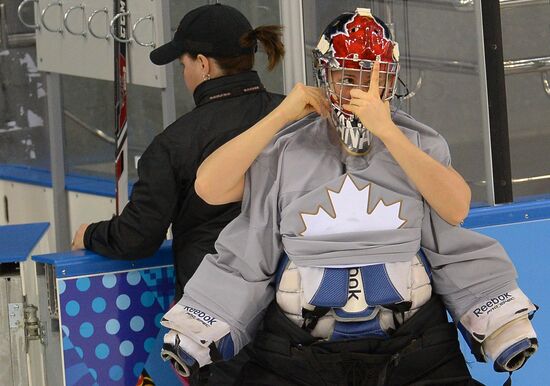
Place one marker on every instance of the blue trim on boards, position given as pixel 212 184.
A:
pixel 521 211
pixel 18 241
pixel 75 183
pixel 26 175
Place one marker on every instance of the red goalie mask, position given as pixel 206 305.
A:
pixel 344 58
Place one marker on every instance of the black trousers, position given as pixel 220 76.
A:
pixel 423 351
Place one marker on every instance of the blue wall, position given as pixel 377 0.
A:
pixel 528 244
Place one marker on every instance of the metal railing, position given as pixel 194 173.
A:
pixel 523 66
pixel 468 5
pixel 514 180
pixel 97 132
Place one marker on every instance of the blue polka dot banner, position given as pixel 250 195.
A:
pixel 110 325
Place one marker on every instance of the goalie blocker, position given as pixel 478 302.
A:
pixel 196 338
pixel 499 329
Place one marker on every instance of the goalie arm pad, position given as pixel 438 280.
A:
pixel 228 294
pixel 467 267
pixel 196 338
pixel 499 329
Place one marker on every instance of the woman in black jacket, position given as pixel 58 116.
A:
pixel 216 46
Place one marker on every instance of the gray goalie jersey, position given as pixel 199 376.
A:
pixel 332 213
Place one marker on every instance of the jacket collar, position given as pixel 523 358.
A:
pixel 227 86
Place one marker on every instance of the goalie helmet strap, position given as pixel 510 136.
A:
pixel 215 353
pixel 311 317
pixel 508 380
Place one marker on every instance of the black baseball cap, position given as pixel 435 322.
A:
pixel 212 30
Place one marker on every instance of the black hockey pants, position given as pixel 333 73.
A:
pixel 423 351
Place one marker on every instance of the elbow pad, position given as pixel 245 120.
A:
pixel 499 329
pixel 196 338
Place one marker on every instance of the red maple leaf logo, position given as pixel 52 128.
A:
pixel 363 38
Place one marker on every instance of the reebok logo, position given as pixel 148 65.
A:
pixel 493 304
pixel 201 315
pixel 355 289
pixel 356 295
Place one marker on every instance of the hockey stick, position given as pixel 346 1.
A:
pixel 121 124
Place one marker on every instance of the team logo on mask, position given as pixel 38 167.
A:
pixel 362 38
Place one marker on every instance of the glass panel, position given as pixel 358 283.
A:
pixel 23 118
pixel 88 106
pixel 441 69
pixel 261 12
pixel 525 35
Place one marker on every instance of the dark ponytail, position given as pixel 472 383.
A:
pixel 271 38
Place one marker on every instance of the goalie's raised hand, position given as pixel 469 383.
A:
pixel 368 106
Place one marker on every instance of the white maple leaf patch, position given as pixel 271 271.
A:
pixel 350 208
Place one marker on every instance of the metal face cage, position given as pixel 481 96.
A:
pixel 338 76
pixel 351 73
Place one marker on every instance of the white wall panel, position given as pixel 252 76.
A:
pixel 30 203
pixel 142 71
pixel 86 208
pixel 66 51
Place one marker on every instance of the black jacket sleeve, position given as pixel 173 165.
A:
pixel 141 227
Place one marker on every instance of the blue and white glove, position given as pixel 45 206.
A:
pixel 196 338
pixel 499 329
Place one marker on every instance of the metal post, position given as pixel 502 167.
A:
pixel 490 191
pixel 294 65
pixel 168 93
pixel 488 16
pixel 57 162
